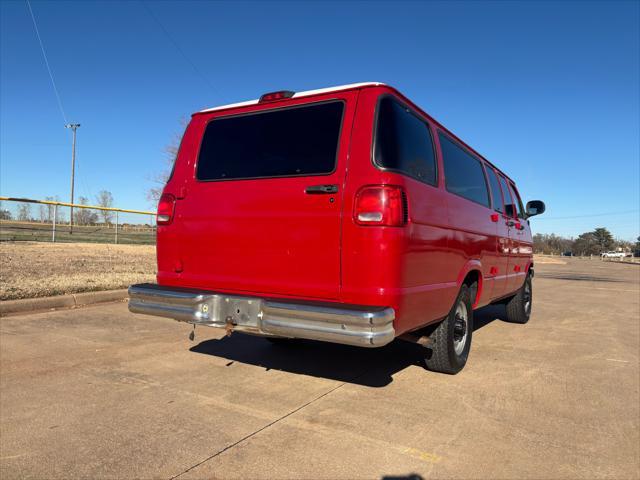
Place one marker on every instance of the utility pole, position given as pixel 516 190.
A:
pixel 74 127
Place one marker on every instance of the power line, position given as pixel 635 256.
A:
pixel 46 61
pixel 608 214
pixel 177 47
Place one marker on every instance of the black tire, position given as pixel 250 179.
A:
pixel 519 306
pixel 281 341
pixel 446 354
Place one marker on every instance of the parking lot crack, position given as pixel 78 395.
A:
pixel 279 419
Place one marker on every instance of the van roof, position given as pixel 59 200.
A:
pixel 299 94
pixel 353 86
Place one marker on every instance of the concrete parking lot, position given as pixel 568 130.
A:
pixel 100 393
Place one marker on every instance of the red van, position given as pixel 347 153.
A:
pixel 345 215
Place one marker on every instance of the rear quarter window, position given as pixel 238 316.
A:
pixel 516 197
pixel 509 204
pixel 403 142
pixel 301 140
pixel 463 172
pixel 495 190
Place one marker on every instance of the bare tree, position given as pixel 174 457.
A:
pixel 43 213
pixel 85 216
pixel 24 212
pixel 551 243
pixel 51 209
pixel 105 199
pixel 5 214
pixel 46 211
pixel 160 179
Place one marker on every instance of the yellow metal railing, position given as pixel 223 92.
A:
pixel 55 227
pixel 74 205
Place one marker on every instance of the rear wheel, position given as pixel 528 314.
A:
pixel 519 306
pixel 451 340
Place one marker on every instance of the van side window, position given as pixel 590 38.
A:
pixel 463 172
pixel 509 205
pixel 403 142
pixel 495 190
pixel 516 196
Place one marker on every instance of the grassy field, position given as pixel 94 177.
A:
pixel 41 232
pixel 40 269
pixel 34 269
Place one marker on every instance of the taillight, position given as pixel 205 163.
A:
pixel 166 206
pixel 384 205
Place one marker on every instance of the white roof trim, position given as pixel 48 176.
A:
pixel 297 95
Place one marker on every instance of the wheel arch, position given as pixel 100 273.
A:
pixel 530 269
pixel 470 274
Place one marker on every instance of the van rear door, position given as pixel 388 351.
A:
pixel 261 209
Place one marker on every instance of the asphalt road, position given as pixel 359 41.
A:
pixel 100 393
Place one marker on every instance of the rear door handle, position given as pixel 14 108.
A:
pixel 321 189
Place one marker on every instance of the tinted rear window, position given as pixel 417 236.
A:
pixel 463 172
pixel 277 143
pixel 403 142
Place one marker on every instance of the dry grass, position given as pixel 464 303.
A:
pixel 30 269
pixel 550 260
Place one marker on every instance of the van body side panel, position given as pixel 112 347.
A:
pixel 265 235
pixel 407 268
pixel 169 238
pixel 472 239
pixel 370 270
pixel 472 236
pixel 428 281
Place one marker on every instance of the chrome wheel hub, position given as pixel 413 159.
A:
pixel 460 328
pixel 527 297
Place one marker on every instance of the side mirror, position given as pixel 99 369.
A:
pixel 535 207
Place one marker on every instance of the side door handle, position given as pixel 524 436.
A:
pixel 510 223
pixel 321 189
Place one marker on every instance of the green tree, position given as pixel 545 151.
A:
pixel 594 243
pixel 604 239
pixel 586 244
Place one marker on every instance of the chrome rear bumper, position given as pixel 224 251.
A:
pixel 347 324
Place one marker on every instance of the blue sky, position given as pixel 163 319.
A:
pixel 548 91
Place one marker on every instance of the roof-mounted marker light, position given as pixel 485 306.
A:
pixel 275 96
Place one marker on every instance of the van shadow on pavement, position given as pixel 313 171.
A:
pixel 372 367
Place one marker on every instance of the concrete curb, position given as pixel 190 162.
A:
pixel 73 300
pixel 626 262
